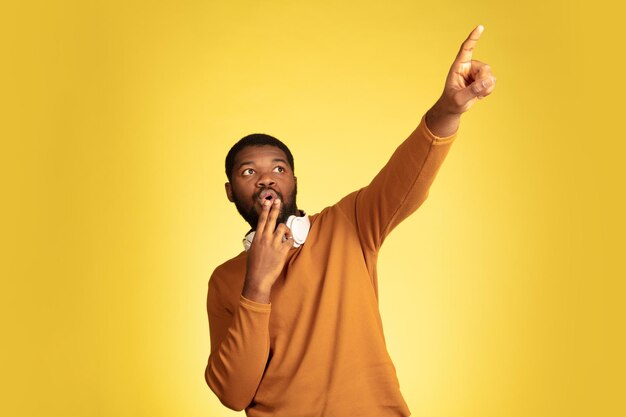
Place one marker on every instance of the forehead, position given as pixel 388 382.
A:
pixel 258 154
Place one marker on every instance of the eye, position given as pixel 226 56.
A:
pixel 247 171
pixel 279 169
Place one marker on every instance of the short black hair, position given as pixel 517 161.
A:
pixel 255 139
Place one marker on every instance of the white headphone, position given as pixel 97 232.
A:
pixel 299 227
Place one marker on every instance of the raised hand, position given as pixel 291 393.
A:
pixel 468 81
pixel 267 254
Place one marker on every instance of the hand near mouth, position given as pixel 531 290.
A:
pixel 267 195
pixel 268 252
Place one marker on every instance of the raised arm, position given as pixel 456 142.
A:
pixel 403 184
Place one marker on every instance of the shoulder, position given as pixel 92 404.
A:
pixel 344 209
pixel 232 264
pixel 230 272
pixel 338 218
pixel 225 286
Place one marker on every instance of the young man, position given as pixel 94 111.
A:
pixel 294 319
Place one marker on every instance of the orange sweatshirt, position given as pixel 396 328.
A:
pixel 318 349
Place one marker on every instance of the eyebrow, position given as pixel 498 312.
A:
pixel 252 162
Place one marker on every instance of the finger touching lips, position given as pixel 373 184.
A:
pixel 267 194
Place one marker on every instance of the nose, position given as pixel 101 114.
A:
pixel 265 180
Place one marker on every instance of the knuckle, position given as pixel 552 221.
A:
pixel 485 93
pixel 458 100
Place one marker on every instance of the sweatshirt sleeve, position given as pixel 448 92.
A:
pixel 239 348
pixel 399 188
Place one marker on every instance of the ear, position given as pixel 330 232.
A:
pixel 229 192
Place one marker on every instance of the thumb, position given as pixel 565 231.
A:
pixel 477 89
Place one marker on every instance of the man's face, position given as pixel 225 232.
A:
pixel 262 173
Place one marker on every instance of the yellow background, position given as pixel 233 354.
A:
pixel 502 296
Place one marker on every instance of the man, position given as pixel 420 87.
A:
pixel 294 319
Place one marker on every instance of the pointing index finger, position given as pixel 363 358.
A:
pixel 467 47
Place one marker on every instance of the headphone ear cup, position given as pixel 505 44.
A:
pixel 299 227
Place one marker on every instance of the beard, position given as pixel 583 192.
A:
pixel 250 215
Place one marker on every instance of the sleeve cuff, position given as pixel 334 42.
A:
pixel 435 140
pixel 254 306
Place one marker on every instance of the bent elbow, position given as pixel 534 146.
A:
pixel 233 404
pixel 227 396
pixel 231 400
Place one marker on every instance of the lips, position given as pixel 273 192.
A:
pixel 267 194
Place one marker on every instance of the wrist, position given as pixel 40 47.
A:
pixel 257 292
pixel 442 122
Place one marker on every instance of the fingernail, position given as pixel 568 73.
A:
pixel 277 201
pixel 487 83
